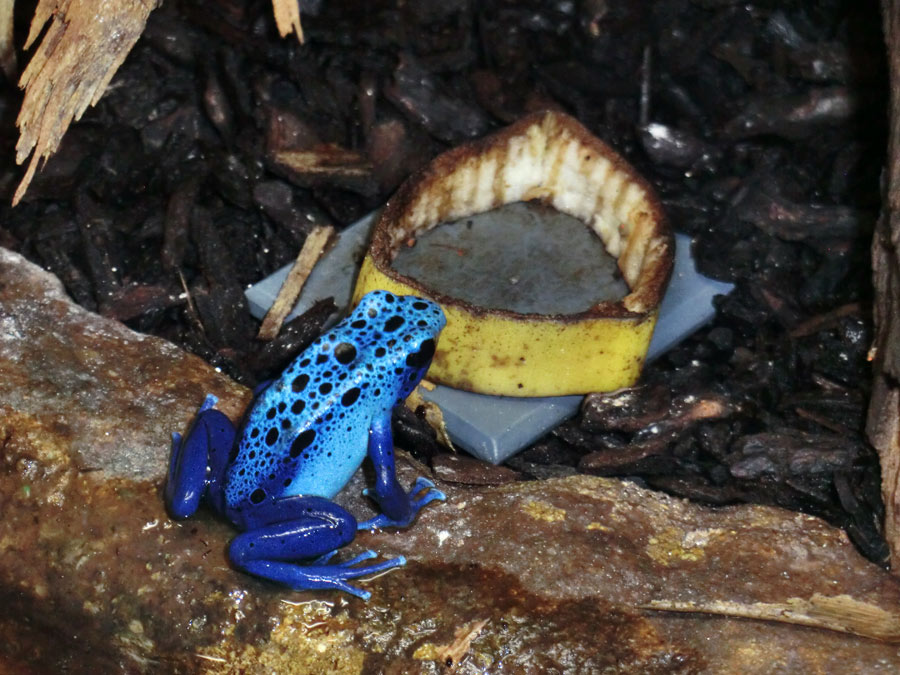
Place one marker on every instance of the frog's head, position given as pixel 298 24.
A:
pixel 408 327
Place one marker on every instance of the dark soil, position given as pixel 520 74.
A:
pixel 761 124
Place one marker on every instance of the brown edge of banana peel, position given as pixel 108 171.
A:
pixel 552 158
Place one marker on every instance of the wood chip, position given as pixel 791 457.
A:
pixel 309 255
pixel 287 18
pixel 81 50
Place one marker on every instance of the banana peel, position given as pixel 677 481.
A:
pixel 552 158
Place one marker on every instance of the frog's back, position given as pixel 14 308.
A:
pixel 307 433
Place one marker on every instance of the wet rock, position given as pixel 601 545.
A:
pixel 567 575
pixel 469 471
pixel 109 395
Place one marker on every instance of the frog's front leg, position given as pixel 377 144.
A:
pixel 303 528
pixel 198 461
pixel 398 507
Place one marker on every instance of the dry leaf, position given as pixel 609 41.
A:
pixel 85 44
pixel 434 416
pixel 450 655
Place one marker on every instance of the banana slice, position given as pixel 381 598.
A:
pixel 552 158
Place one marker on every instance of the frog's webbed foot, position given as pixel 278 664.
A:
pixel 416 503
pixel 319 529
pixel 322 577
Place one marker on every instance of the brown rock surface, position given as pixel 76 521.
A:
pixel 550 576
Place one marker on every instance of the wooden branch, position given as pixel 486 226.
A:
pixel 840 613
pixel 883 424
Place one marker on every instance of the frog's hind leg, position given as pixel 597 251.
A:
pixel 198 461
pixel 308 529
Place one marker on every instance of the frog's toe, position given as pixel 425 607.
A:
pixel 420 484
pixel 358 592
pixel 389 564
pixel 323 559
pixel 365 555
pixel 209 402
pixel 432 494
pixel 321 577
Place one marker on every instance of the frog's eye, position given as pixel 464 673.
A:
pixel 372 313
pixel 345 353
pixel 423 356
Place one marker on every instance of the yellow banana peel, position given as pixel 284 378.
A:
pixel 552 158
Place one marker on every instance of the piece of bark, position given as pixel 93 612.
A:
pixel 81 50
pixel 883 425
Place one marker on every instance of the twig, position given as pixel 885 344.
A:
pixel 309 255
pixel 840 613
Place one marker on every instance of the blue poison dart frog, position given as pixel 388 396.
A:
pixel 304 436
